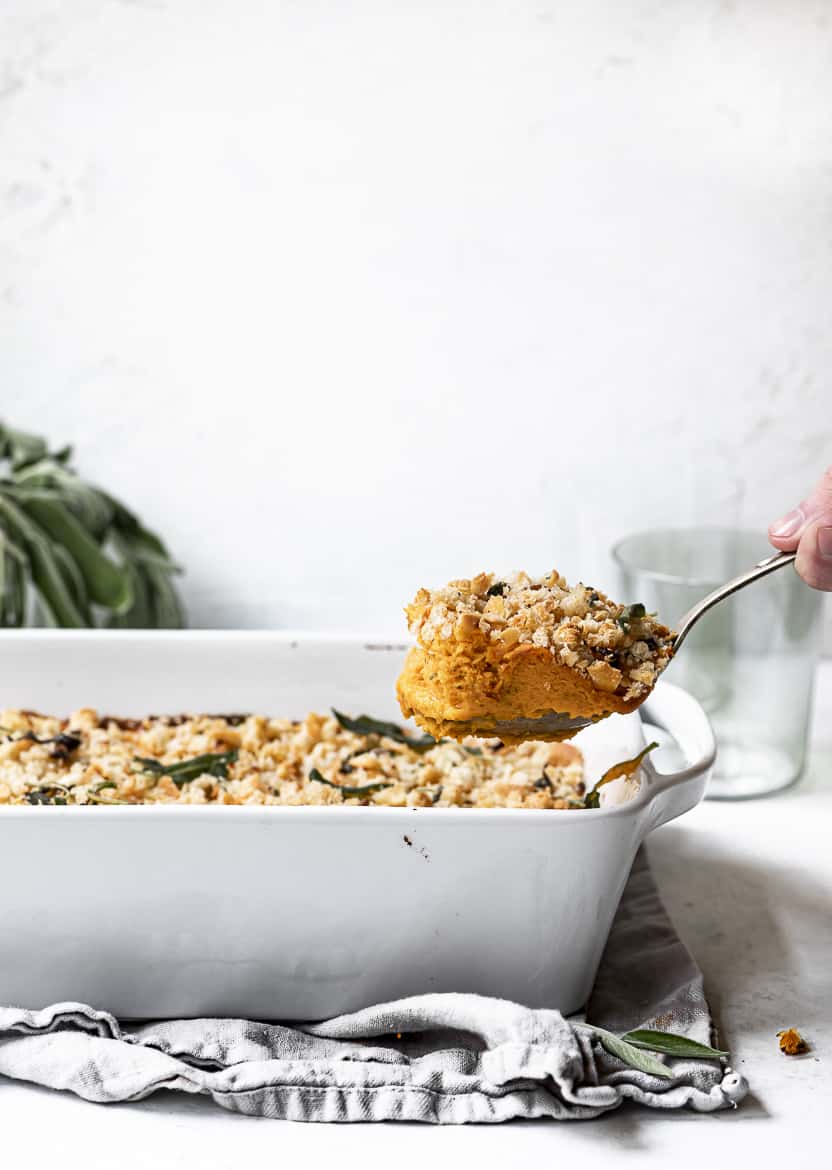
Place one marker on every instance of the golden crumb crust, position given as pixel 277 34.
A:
pixel 491 651
pixel 90 759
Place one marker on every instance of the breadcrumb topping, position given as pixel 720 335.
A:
pixel 253 759
pixel 620 648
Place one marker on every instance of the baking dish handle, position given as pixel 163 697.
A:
pixel 669 794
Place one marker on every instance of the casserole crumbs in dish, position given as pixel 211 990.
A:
pixel 252 759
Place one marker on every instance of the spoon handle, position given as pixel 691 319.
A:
pixel 760 570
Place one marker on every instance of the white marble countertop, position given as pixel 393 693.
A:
pixel 750 888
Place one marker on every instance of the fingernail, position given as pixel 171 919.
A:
pixel 825 543
pixel 787 525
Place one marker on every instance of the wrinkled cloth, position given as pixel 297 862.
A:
pixel 442 1058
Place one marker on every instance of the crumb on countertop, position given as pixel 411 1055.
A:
pixel 792 1043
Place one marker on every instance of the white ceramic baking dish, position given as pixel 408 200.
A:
pixel 300 913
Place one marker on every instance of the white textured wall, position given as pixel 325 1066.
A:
pixel 349 297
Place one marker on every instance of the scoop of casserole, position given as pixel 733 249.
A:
pixel 491 652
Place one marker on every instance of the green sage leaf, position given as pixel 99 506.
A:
pixel 20 448
pixel 13 594
pixel 108 584
pixel 166 607
pixel 13 563
pixel 631 1055
pixel 89 505
pixel 140 614
pixel 672 1045
pixel 56 599
pixel 66 529
pixel 73 579
pixel 156 602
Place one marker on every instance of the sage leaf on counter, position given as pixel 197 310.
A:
pixel 634 1048
pixel 350 790
pixel 210 764
pixel 631 1055
pixel 366 725
pixel 672 1045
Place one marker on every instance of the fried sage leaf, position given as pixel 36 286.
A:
pixel 624 768
pixel 631 613
pixel 65 741
pixel 366 725
pixel 348 790
pixel 210 764
pixel 50 792
pixel 94 794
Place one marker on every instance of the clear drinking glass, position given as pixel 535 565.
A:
pixel 750 661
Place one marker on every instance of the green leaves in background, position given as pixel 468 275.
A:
pixel 82 556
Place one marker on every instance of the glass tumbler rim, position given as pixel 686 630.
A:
pixel 635 566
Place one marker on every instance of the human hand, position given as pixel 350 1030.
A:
pixel 808 528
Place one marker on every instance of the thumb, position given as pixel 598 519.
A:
pixel 788 532
pixel 814 553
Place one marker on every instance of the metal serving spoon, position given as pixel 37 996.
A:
pixel 553 722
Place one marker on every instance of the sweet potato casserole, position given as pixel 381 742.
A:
pixel 497 650
pixel 252 759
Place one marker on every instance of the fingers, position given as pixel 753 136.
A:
pixel 785 533
pixel 814 554
pixel 788 532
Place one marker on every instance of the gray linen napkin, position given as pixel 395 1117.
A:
pixel 445 1059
